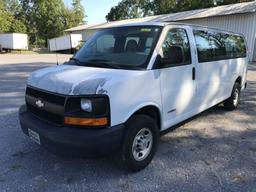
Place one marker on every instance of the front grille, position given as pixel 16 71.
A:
pixel 53 109
pixel 46 96
pixel 44 115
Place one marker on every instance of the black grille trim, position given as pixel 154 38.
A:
pixel 54 105
pixel 46 116
pixel 47 96
pixel 49 107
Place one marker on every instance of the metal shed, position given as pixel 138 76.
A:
pixel 239 18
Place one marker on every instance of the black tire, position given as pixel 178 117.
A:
pixel 136 125
pixel 233 101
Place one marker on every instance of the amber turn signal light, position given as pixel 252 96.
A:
pixel 86 121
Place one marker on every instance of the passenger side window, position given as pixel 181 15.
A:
pixel 210 46
pixel 203 46
pixel 218 50
pixel 213 46
pixel 235 46
pixel 177 41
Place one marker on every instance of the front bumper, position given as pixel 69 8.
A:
pixel 70 140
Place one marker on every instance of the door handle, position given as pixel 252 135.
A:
pixel 193 73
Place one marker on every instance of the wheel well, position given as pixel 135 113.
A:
pixel 239 80
pixel 152 112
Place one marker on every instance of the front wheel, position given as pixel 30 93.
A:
pixel 233 102
pixel 140 142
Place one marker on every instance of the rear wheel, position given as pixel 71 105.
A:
pixel 232 102
pixel 140 142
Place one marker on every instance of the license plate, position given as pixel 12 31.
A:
pixel 34 136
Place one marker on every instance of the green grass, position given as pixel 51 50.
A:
pixel 30 52
pixel 42 51
pixel 23 52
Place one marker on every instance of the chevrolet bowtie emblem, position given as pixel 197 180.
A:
pixel 39 103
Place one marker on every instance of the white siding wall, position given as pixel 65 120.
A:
pixel 254 52
pixel 240 23
pixel 86 34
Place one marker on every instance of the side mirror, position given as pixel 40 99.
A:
pixel 173 55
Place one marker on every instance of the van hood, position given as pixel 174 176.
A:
pixel 76 80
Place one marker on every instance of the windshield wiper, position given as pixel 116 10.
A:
pixel 99 60
pixel 74 59
pixel 77 61
pixel 96 62
pixel 104 63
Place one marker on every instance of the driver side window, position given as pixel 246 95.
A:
pixel 176 47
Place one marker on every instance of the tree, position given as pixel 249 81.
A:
pixel 5 18
pixel 12 6
pixel 164 6
pixel 47 18
pixel 78 12
pixel 172 6
pixel 74 16
pixel 128 9
pixel 51 18
pixel 226 2
pixel 8 18
pixel 40 19
pixel 17 26
pixel 26 14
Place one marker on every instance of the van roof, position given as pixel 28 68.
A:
pixel 224 10
pixel 200 27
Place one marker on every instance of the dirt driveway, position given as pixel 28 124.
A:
pixel 216 151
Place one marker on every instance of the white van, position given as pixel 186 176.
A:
pixel 130 83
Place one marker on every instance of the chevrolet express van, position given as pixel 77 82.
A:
pixel 130 83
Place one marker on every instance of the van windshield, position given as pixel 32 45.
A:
pixel 121 48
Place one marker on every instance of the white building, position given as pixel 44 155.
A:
pixel 239 18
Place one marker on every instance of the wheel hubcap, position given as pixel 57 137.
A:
pixel 236 97
pixel 142 144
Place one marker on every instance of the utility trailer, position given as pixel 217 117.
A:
pixel 66 42
pixel 14 41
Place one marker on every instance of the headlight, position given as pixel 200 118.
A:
pixel 91 106
pixel 86 105
pixel 87 111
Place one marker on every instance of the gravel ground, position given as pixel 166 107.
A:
pixel 215 151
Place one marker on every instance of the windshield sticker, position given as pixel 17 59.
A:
pixel 145 30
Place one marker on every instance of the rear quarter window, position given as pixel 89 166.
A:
pixel 213 46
